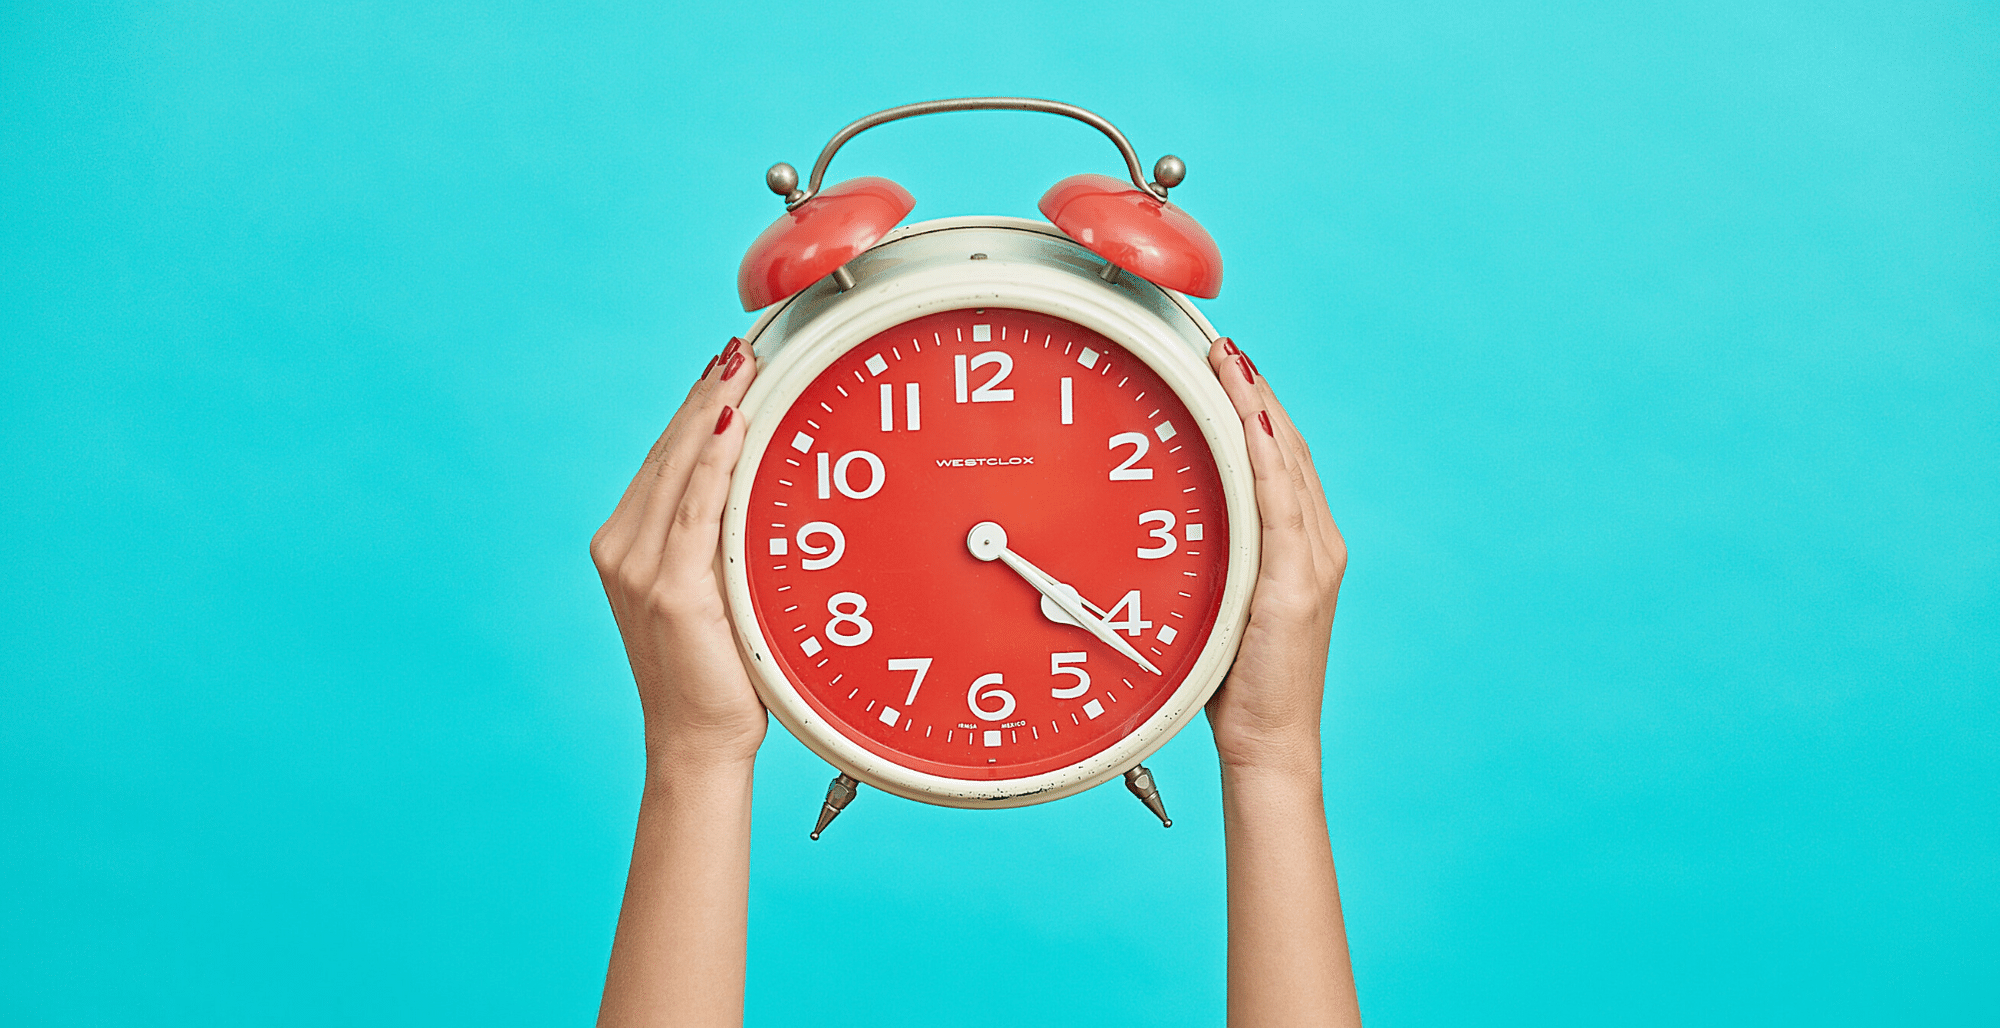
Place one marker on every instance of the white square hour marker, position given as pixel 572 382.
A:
pixel 888 716
pixel 802 442
pixel 811 646
pixel 982 334
pixel 992 737
pixel 1194 532
pixel 778 547
pixel 1088 358
pixel 1094 709
pixel 876 365
pixel 1167 635
pixel 1165 430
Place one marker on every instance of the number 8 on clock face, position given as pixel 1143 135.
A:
pixel 897 634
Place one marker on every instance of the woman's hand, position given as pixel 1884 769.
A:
pixel 1288 961
pixel 678 956
pixel 1266 715
pixel 660 559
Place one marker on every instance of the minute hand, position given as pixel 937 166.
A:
pixel 988 540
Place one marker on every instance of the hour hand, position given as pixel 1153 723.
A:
pixel 988 541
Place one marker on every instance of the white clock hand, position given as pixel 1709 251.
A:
pixel 1055 614
pixel 988 541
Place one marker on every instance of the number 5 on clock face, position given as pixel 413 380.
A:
pixel 868 598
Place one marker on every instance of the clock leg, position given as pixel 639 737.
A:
pixel 1140 781
pixel 838 795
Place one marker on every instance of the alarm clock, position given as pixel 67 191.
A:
pixel 992 537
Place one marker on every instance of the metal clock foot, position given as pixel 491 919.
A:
pixel 838 795
pixel 1140 781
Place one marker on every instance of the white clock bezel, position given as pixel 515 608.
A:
pixel 926 268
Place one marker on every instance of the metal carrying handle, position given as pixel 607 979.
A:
pixel 784 179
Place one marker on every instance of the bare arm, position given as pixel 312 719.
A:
pixel 678 955
pixel 1288 962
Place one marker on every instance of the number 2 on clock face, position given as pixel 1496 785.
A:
pixel 902 639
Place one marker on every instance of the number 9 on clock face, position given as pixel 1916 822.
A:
pixel 901 639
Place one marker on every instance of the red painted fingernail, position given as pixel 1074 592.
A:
pixel 729 370
pixel 1228 345
pixel 1263 418
pixel 722 422
pixel 734 342
pixel 707 368
pixel 1249 374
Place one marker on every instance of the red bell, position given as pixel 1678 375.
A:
pixel 1140 233
pixel 825 232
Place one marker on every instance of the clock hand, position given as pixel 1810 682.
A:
pixel 1055 614
pixel 988 541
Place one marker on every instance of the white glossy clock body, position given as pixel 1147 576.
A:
pixel 929 267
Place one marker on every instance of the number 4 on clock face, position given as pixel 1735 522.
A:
pixel 1131 624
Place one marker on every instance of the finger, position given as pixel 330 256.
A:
pixel 614 539
pixel 697 521
pixel 731 381
pixel 1296 460
pixel 1239 382
pixel 1249 396
pixel 635 493
pixel 1305 472
pixel 1325 532
pixel 1287 543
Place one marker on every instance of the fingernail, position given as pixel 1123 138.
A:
pixel 707 368
pixel 1249 372
pixel 1228 345
pixel 729 370
pixel 722 421
pixel 1253 365
pixel 1263 418
pixel 734 342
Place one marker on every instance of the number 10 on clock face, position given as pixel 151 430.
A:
pixel 866 585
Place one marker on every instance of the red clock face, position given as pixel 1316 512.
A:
pixel 958 653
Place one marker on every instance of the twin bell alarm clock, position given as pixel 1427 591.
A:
pixel 992 537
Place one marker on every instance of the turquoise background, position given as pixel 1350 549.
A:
pixel 1648 352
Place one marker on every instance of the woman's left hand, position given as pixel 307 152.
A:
pixel 659 556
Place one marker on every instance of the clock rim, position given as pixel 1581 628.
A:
pixel 904 291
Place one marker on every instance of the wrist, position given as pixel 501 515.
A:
pixel 1291 765
pixel 1292 753
pixel 684 756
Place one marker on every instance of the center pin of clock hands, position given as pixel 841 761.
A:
pixel 988 541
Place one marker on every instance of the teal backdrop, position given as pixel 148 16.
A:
pixel 1650 353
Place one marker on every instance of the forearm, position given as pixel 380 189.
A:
pixel 678 955
pixel 1288 962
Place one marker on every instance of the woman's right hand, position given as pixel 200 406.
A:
pixel 1266 715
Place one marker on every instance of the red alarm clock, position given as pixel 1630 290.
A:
pixel 992 537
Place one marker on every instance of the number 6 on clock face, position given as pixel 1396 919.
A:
pixel 985 688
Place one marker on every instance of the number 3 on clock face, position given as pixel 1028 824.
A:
pixel 916 650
